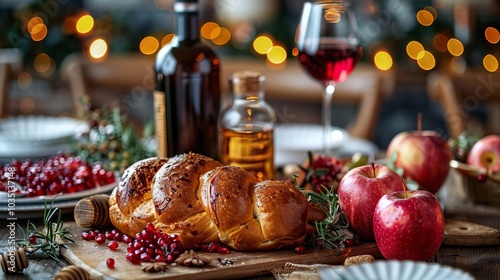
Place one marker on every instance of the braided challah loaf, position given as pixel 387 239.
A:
pixel 202 201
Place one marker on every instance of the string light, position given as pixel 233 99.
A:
pixel 262 44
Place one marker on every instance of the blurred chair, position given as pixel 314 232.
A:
pixel 124 80
pixel 469 100
pixel 297 97
pixel 10 67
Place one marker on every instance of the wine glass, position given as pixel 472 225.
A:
pixel 328 50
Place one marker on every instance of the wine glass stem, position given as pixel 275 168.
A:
pixel 327 126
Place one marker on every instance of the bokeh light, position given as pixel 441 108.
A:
pixel 98 48
pixel 167 39
pixel 85 24
pixel 44 64
pixel 440 41
pixel 277 55
pixel 69 26
pixel 262 44
pixel 426 61
pixel 38 32
pixel 26 106
pixel 433 12
pixel 492 35
pixel 455 47
pixel 383 60
pixel 149 45
pixel 210 30
pixel 414 49
pixel 223 37
pixel 490 63
pixel 33 22
pixel 425 18
pixel 24 80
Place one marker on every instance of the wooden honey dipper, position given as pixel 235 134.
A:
pixel 72 272
pixel 15 261
pixel 92 211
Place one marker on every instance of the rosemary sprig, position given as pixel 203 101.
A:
pixel 50 239
pixel 332 230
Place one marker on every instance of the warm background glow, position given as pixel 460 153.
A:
pixel 414 49
pixel 492 35
pixel 98 48
pixel 455 47
pixel 490 63
pixel 149 45
pixel 85 24
pixel 383 60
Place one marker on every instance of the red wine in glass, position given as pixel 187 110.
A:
pixel 334 59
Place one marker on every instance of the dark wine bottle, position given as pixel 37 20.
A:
pixel 187 95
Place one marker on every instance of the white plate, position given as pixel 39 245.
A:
pixel 32 207
pixel 395 270
pixel 306 137
pixel 36 136
pixel 66 196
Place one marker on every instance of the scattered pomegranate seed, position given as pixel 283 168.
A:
pixel 223 250
pixel 100 239
pixel 212 247
pixel 348 242
pixel 481 178
pixel 113 245
pixel 300 249
pixel 110 263
pixel 32 239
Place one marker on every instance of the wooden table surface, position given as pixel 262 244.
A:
pixel 481 262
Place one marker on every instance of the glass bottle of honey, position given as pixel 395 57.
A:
pixel 247 127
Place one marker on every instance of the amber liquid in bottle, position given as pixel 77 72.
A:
pixel 187 96
pixel 250 150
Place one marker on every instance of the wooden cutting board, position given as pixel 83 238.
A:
pixel 93 256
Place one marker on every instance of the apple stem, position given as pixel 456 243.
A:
pixel 373 169
pixel 405 187
pixel 419 122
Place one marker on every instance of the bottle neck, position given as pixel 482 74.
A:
pixel 187 25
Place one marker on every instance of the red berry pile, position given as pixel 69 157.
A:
pixel 149 245
pixel 324 171
pixel 215 248
pixel 56 175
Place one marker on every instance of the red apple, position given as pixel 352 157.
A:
pixel 359 191
pixel 408 225
pixel 424 157
pixel 486 153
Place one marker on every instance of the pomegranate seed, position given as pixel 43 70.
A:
pixel 109 235
pixel 32 239
pixel 160 258
pixel 113 245
pixel 212 248
pixel 348 242
pixel 110 263
pixel 300 249
pixel 145 257
pixel 150 227
pixel 126 238
pixel 481 178
pixel 204 247
pixel 100 239
pixel 223 250
pixel 117 236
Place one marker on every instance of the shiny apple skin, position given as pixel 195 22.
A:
pixel 486 153
pixel 408 228
pixel 424 157
pixel 359 191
